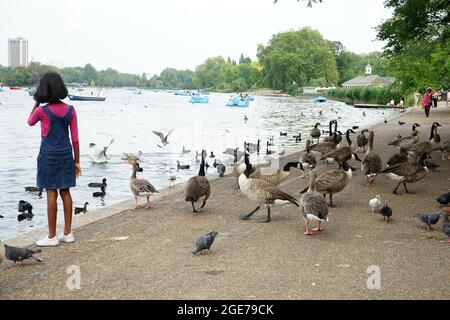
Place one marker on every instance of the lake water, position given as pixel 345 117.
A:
pixel 129 119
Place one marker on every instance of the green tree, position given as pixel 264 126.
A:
pixel 89 73
pixel 207 74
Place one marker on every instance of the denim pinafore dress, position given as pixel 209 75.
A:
pixel 55 163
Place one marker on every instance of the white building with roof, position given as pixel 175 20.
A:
pixel 368 79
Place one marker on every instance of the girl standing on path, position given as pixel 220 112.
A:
pixel 56 166
pixel 426 101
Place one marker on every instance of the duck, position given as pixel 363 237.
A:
pixel 375 203
pixel 315 132
pixel 261 192
pixel 25 216
pixel 34 189
pixel 283 134
pixel 362 141
pixel 278 176
pixel 401 123
pixel 25 206
pixel 444 199
pixel 198 188
pixel 430 219
pixel 334 181
pixel 371 162
pixel 101 193
pixel 340 153
pixel 404 173
pixel 182 167
pixel 98 155
pixel 307 159
pixel 140 187
pixel 386 212
pixel 78 210
pixel 313 206
pixel 98 184
pixel 163 138
pixel 184 151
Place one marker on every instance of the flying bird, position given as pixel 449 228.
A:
pixel 98 155
pixel 164 139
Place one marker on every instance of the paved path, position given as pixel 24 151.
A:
pixel 251 260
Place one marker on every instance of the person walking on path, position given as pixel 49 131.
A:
pixel 426 101
pixel 447 103
pixel 416 98
pixel 58 163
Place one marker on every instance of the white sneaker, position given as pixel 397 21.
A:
pixel 66 238
pixel 47 242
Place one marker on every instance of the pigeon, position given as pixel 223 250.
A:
pixel 98 155
pixel 98 184
pixel 78 210
pixel 446 225
pixel 444 199
pixel 204 242
pixel 375 203
pixel 16 254
pixel 164 141
pixel 386 211
pixel 25 206
pixel 220 167
pixel 429 218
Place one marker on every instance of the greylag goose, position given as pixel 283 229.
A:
pixel 140 187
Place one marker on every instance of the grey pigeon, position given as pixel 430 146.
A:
pixel 221 169
pixel 444 199
pixel 429 219
pixel 386 211
pixel 204 242
pixel 19 254
pixel 446 226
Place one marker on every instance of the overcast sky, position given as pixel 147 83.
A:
pixel 149 35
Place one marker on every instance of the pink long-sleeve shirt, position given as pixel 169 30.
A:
pixel 59 110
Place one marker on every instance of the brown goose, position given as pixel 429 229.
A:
pixel 198 188
pixel 315 132
pixel 307 159
pixel 397 158
pixel 340 153
pixel 261 192
pixel 313 206
pixel 278 176
pixel 140 187
pixel 406 172
pixel 334 181
pixel 371 162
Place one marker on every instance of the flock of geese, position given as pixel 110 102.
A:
pixel 259 184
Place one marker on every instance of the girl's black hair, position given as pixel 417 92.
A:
pixel 51 89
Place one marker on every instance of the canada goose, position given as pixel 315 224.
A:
pixel 424 147
pixel 101 193
pixel 407 142
pixel 261 192
pixel 334 181
pixel 34 189
pixel 340 153
pixel 98 184
pixel 313 206
pixel 78 210
pixel 397 158
pixel 212 155
pixel 362 141
pixel 283 134
pixel 164 139
pixel 307 159
pixel 198 188
pixel 315 132
pixel 371 162
pixel 140 187
pixel 375 203
pixel 253 147
pixel 98 155
pixel 427 164
pixel 405 172
pixel 182 167
pixel 184 151
pixel 325 147
pixel 278 176
pixel 330 132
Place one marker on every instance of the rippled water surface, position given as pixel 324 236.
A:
pixel 129 119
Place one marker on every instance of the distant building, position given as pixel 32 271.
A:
pixel 368 79
pixel 18 52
